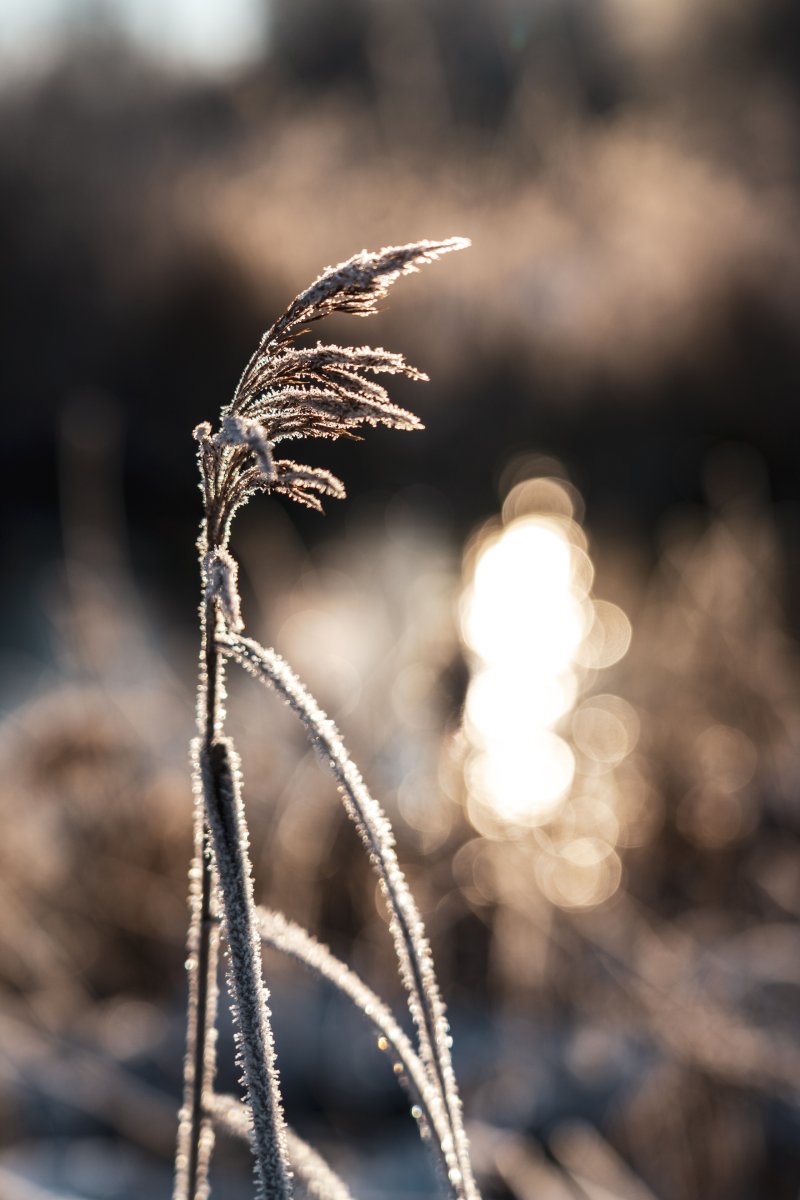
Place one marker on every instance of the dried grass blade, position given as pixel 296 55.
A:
pixel 292 940
pixel 217 766
pixel 411 946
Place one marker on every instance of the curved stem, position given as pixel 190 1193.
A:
pixel 411 946
pixel 292 940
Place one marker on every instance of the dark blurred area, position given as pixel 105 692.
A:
pixel 619 952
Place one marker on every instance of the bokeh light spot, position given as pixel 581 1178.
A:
pixel 541 759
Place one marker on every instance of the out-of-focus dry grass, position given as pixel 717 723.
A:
pixel 628 175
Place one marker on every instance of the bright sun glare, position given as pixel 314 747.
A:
pixel 542 754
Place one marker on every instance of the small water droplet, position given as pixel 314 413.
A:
pixel 383 1043
pixel 416 1112
pixel 398 1068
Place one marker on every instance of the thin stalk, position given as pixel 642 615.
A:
pixel 196 1131
pixel 205 1047
pixel 219 770
pixel 221 867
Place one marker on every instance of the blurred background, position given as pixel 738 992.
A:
pixel 557 628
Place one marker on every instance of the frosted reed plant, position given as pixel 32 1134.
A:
pixel 290 390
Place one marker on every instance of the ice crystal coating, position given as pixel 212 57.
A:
pixel 408 933
pixel 220 773
pixel 320 391
pixel 292 940
pixel 222 585
pixel 313 1177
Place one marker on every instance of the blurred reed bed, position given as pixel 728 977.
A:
pixel 623 966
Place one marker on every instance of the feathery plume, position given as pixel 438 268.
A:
pixel 356 286
pixel 321 391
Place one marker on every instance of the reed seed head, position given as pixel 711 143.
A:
pixel 322 391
